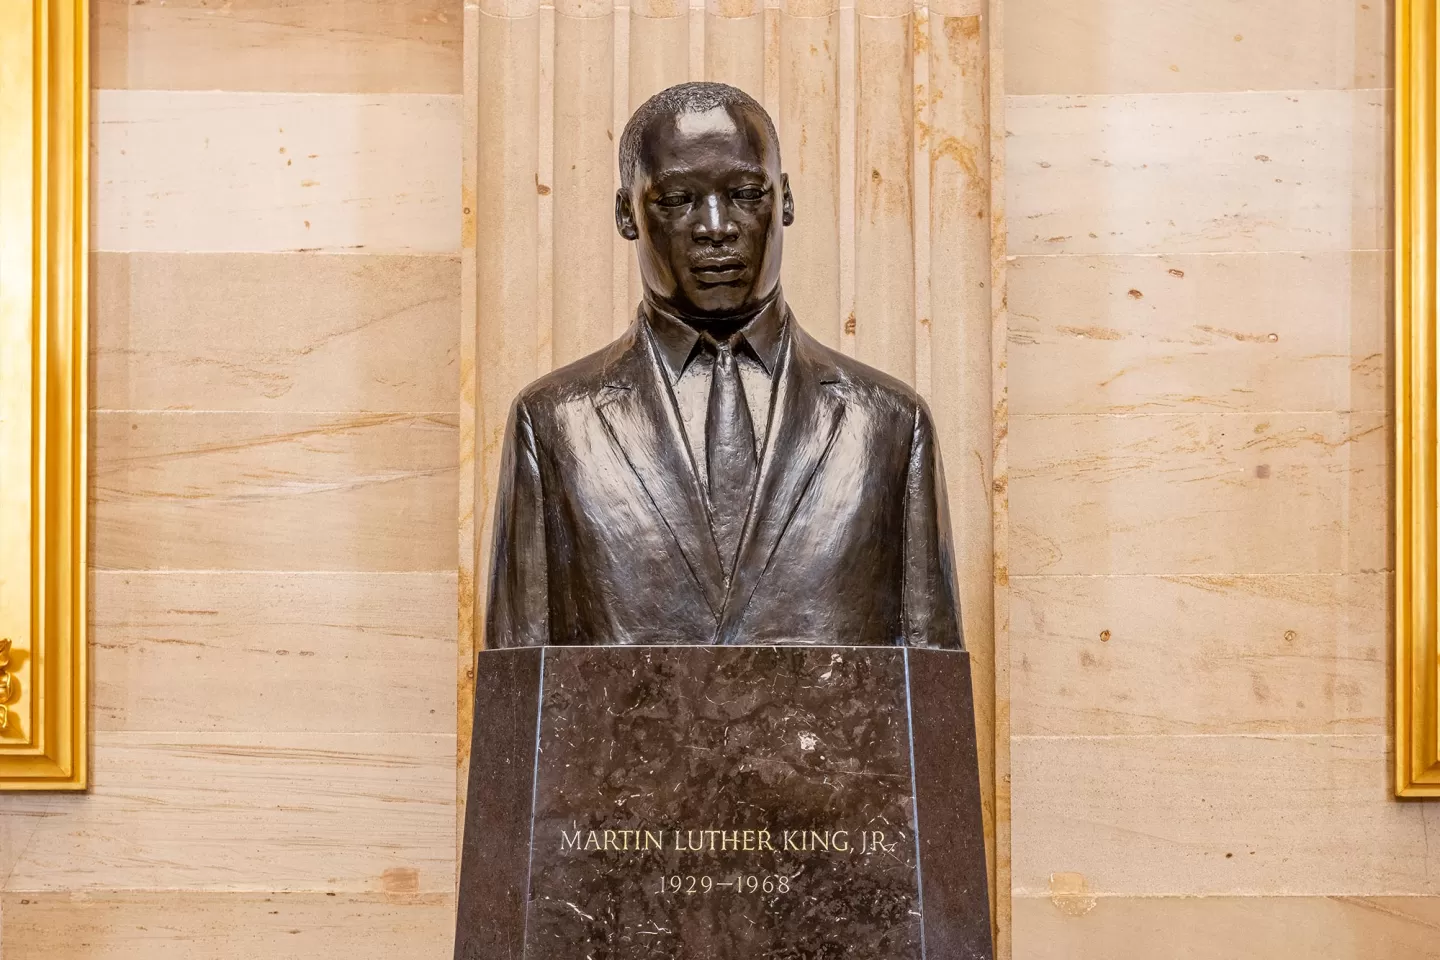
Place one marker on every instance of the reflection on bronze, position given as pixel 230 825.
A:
pixel 716 475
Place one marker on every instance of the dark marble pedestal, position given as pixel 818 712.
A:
pixel 723 803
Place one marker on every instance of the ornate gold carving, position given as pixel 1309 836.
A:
pixel 7 684
pixel 44 88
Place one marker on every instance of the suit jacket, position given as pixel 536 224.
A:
pixel 602 533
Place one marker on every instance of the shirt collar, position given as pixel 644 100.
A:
pixel 677 340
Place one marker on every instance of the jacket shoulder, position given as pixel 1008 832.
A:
pixel 879 391
pixel 577 381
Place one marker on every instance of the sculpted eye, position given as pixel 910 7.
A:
pixel 674 200
pixel 749 193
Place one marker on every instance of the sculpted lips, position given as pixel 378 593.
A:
pixel 718 269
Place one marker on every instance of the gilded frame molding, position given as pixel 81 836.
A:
pixel 1417 659
pixel 44 117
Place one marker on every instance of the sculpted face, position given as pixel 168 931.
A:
pixel 707 208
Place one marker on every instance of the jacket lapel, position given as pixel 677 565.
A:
pixel 639 413
pixel 807 413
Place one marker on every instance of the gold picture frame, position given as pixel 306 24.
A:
pixel 1417 659
pixel 44 116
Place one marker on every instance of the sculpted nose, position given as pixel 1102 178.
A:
pixel 714 225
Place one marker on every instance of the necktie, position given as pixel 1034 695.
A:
pixel 729 451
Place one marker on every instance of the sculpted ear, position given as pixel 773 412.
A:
pixel 787 202
pixel 625 215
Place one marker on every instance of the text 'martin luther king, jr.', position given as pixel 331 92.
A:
pixel 717 476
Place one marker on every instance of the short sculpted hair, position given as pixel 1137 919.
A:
pixel 695 97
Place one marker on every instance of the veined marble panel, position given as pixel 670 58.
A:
pixel 330 46
pixel 1184 655
pixel 265 172
pixel 1198 172
pixel 1199 493
pixel 204 925
pixel 1183 46
pixel 1078 927
pixel 1252 332
pixel 281 491
pixel 275 332
pixel 1266 815
pixel 249 812
pixel 274 651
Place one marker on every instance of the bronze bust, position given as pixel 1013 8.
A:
pixel 717 476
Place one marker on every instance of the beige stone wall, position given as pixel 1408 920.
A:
pixel 275 381
pixel 1200 571
pixel 1198 374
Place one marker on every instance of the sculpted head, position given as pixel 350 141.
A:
pixel 702 194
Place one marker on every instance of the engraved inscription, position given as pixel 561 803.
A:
pixel 716 840
pixel 740 883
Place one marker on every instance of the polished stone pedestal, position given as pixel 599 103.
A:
pixel 723 803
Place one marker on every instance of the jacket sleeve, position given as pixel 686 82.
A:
pixel 931 612
pixel 518 611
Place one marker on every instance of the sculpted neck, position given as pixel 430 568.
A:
pixel 722 326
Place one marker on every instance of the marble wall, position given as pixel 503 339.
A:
pixel 288 413
pixel 1199 234
pixel 275 382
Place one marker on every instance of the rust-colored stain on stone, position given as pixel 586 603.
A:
pixel 467 220
pixel 400 880
pixel 1238 335
pixel 1134 294
pixel 962 46
pixel 737 8
pixel 962 28
pixel 1179 274
pixel 1091 333
pixel 850 324
pixel 961 152
pixel 1070 892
